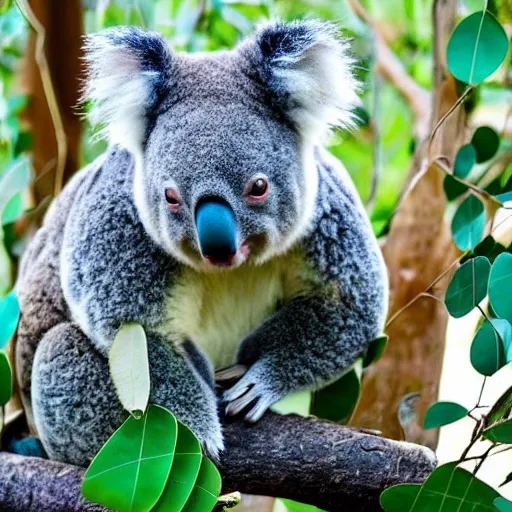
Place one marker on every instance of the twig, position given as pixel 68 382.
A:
pixel 53 106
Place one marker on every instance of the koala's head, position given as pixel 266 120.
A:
pixel 223 142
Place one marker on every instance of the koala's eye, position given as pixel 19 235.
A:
pixel 257 189
pixel 173 199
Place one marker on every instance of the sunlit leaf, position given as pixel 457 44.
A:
pixel 207 489
pixel 184 472
pixel 464 161
pixel 487 350
pixel 486 142
pixel 500 286
pixel 468 223
pixel 447 489
pixel 499 433
pixel 129 367
pixel 130 471
pixel 444 413
pixel 375 350
pixel 337 401
pixel 15 179
pixel 9 316
pixel 295 506
pixel 5 379
pixel 476 48
pixel 468 286
pixel 503 505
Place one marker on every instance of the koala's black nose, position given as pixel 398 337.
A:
pixel 216 230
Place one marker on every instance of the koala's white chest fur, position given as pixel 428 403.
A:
pixel 217 310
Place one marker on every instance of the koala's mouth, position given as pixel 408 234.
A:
pixel 234 259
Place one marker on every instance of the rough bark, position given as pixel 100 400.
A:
pixel 335 468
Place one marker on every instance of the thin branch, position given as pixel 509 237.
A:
pixel 51 98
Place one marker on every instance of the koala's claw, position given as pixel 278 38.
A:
pixel 213 446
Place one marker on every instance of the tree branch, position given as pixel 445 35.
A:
pixel 333 467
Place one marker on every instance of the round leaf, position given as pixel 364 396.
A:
pixel 337 401
pixel 207 489
pixel 476 48
pixel 444 413
pixel 487 351
pixel 375 350
pixel 130 471
pixel 503 505
pixel 184 472
pixel 500 285
pixel 447 489
pixel 9 317
pixel 453 188
pixel 468 223
pixel 499 433
pixel 486 143
pixel 464 161
pixel 129 367
pixel 468 286
pixel 5 379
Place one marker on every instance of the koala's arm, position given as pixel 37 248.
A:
pixel 315 338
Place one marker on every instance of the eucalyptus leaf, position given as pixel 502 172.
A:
pixel 464 161
pixel 15 179
pixel 500 286
pixel 453 188
pixel 207 489
pixel 503 505
pixel 477 47
pixel 130 471
pixel 9 317
pixel 501 407
pixel 468 223
pixel 295 506
pixel 5 379
pixel 129 367
pixel 375 350
pixel 184 471
pixel 468 286
pixel 443 413
pixel 486 142
pixel 487 351
pixel 447 489
pixel 337 401
pixel 499 433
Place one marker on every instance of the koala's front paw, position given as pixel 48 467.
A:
pixel 255 389
pixel 211 439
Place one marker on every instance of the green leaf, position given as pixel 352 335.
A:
pixel 184 472
pixel 375 350
pixel 129 367
pixel 9 316
pixel 503 505
pixel 476 48
pixel 501 408
pixel 15 179
pixel 487 351
pixel 130 471
pixel 207 489
pixel 5 379
pixel 453 188
pixel 447 489
pixel 486 142
pixel 468 286
pixel 295 506
pixel 500 284
pixel 499 433
pixel 443 413
pixel 464 161
pixel 337 401
pixel 468 223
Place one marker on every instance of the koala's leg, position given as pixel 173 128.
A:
pixel 306 344
pixel 75 405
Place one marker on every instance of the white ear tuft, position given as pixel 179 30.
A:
pixel 309 69
pixel 128 76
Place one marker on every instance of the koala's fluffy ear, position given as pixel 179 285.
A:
pixel 129 72
pixel 308 69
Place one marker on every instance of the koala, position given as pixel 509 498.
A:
pixel 216 220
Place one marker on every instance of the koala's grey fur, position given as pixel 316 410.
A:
pixel 298 311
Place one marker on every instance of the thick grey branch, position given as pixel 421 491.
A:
pixel 305 459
